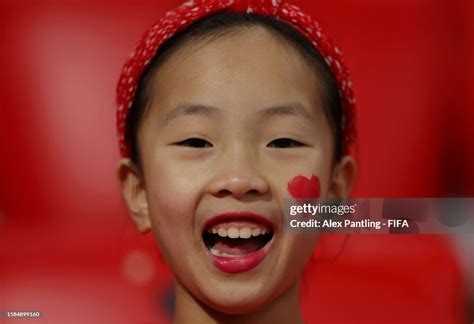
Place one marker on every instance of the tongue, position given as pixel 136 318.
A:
pixel 237 246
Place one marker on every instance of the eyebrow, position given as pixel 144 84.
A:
pixel 292 109
pixel 191 110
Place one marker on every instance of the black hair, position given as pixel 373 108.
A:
pixel 219 24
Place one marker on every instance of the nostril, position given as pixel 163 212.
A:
pixel 238 186
pixel 223 193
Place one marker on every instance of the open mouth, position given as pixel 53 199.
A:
pixel 231 241
pixel 237 244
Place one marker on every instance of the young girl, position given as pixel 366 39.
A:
pixel 226 109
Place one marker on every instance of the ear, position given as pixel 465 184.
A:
pixel 134 193
pixel 343 177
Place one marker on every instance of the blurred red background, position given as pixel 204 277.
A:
pixel 67 248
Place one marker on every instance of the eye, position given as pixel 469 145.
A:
pixel 284 143
pixel 195 142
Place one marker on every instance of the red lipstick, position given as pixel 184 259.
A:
pixel 238 264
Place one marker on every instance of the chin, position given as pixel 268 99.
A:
pixel 240 297
pixel 238 304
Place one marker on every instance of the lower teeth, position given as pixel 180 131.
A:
pixel 215 252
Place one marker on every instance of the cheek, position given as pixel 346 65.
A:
pixel 298 247
pixel 303 187
pixel 170 191
pixel 171 203
pixel 166 193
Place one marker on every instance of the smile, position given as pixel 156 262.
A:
pixel 237 242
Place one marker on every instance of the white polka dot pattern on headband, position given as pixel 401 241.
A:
pixel 190 11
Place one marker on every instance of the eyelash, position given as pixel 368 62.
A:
pixel 285 143
pixel 195 142
pixel 278 143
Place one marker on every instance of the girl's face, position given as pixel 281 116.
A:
pixel 230 123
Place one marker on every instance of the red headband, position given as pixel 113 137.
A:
pixel 191 11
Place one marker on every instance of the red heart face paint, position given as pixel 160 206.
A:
pixel 302 187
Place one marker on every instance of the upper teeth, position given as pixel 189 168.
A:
pixel 233 232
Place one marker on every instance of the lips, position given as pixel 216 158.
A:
pixel 237 242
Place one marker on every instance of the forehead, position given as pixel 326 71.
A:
pixel 245 68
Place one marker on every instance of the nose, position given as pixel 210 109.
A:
pixel 238 176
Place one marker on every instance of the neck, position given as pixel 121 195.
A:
pixel 284 309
